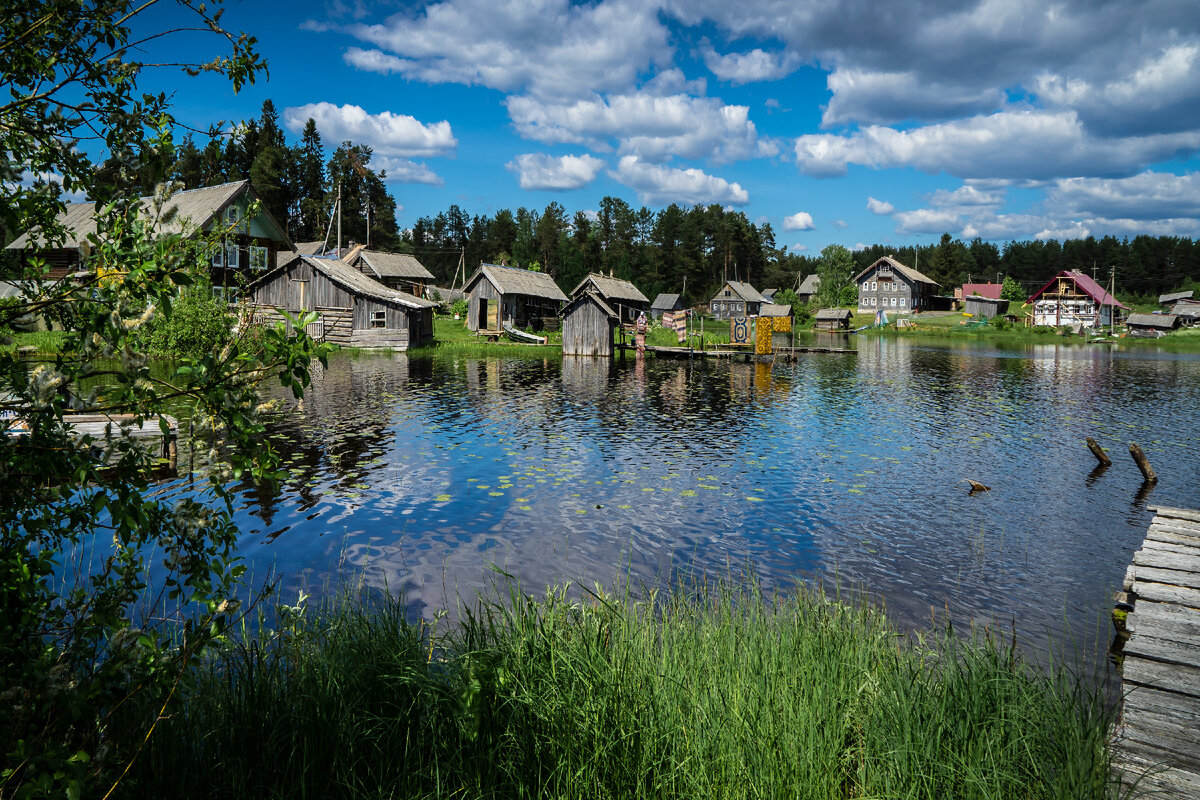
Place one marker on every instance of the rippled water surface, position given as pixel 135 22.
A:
pixel 420 472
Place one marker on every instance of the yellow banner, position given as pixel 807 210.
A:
pixel 762 337
pixel 781 324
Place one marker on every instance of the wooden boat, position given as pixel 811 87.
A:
pixel 518 335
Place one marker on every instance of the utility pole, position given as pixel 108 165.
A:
pixel 339 209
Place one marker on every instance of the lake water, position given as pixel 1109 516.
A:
pixel 418 473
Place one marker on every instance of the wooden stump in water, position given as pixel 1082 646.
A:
pixel 1139 458
pixel 1098 452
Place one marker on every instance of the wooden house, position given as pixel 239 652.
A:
pixel 664 303
pixel 736 299
pixel 622 296
pixel 398 271
pixel 808 287
pixel 984 307
pixel 833 319
pixel 1188 313
pixel 248 246
pixel 498 296
pixel 1151 325
pixel 588 325
pixel 356 311
pixel 1073 298
pixel 889 284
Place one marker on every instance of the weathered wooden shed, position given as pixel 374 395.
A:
pixel 356 311
pixel 1151 325
pixel 1188 313
pixel 588 325
pixel 984 307
pixel 622 296
pixel 520 298
pixel 833 319
pixel 1174 297
pixel 398 271
pixel 664 303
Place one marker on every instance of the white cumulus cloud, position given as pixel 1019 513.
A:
pixel 387 133
pixel 879 207
pixel 661 185
pixel 800 221
pixel 750 67
pixel 541 171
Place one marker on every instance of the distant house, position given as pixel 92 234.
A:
pixel 1175 297
pixel 621 296
pixel 833 319
pixel 394 270
pixel 356 311
pixel 498 295
pixel 248 247
pixel 664 303
pixel 588 325
pixel 736 299
pixel 1188 313
pixel 889 284
pixel 1073 298
pixel 808 287
pixel 1152 325
pixel 769 293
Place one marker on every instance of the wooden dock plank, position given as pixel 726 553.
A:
pixel 1147 672
pixel 1165 593
pixel 1176 513
pixel 1157 701
pixel 1169 575
pixel 1168 650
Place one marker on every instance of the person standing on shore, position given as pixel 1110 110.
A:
pixel 640 335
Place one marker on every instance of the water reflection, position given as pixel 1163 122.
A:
pixel 421 472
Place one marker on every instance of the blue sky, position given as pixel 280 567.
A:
pixel 847 121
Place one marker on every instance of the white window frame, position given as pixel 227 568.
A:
pixel 893 302
pixel 232 215
pixel 232 258
pixel 874 286
pixel 872 301
pixel 903 302
pixel 259 255
pixel 379 319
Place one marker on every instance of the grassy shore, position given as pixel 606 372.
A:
pixel 703 691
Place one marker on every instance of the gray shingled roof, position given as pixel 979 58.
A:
pixel 310 248
pixel 1186 309
pixel 1167 299
pixel 775 310
pixel 810 285
pixel 591 295
pixel 342 273
pixel 514 280
pixel 907 272
pixel 394 265
pixel 194 208
pixel 1166 321
pixel 744 291
pixel 833 313
pixel 612 288
pixel 666 301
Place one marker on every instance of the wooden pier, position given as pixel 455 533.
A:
pixel 149 435
pixel 788 353
pixel 1160 718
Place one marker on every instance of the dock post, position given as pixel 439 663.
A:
pixel 1099 453
pixel 1140 459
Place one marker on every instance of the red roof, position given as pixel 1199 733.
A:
pixel 1086 285
pixel 989 290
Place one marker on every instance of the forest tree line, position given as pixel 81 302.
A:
pixel 688 250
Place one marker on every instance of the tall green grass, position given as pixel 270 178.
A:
pixel 710 691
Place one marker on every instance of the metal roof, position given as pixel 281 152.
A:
pixel 1086 285
pixel 988 290
pixel 612 288
pixel 393 265
pixel 1152 320
pixel 184 212
pixel 907 272
pixel 514 280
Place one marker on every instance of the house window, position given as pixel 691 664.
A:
pixel 258 258
pixel 217 256
pixel 378 319
pixel 893 302
pixel 874 286
pixel 866 285
pixel 727 293
pixel 872 301
pixel 903 300
pixel 231 255
pixel 231 215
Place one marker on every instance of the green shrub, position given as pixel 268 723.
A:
pixel 459 307
pixel 198 323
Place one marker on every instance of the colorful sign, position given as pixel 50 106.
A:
pixel 739 330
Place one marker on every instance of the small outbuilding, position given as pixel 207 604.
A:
pixel 808 287
pixel 588 325
pixel 399 271
pixel 833 319
pixel 1174 297
pixel 355 311
pixel 664 303
pixel 622 296
pixel 1188 313
pixel 1151 325
pixel 736 299
pixel 498 296
pixel 984 307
